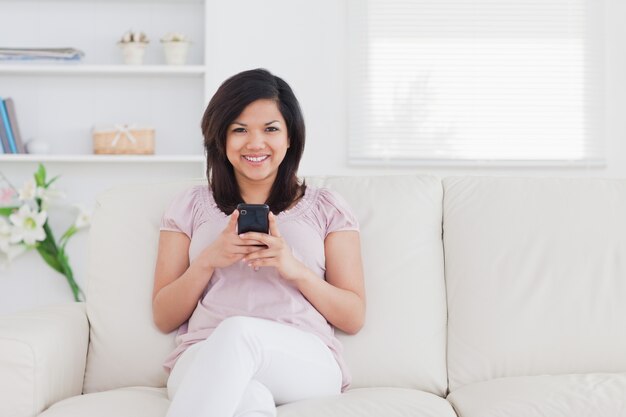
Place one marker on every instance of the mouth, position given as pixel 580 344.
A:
pixel 255 159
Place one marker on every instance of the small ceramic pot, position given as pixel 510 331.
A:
pixel 176 52
pixel 133 52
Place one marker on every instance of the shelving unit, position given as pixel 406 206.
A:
pixel 80 69
pixel 60 103
pixel 103 158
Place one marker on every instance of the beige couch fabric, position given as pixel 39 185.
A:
pixel 601 395
pixel 122 402
pixel 403 342
pixel 367 402
pixel 372 402
pixel 401 345
pixel 535 277
pixel 125 347
pixel 42 358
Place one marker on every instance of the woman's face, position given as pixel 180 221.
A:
pixel 256 142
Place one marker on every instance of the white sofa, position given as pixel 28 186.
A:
pixel 487 297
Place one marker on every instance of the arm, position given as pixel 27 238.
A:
pixel 341 298
pixel 179 285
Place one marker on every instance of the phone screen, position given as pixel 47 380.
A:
pixel 253 218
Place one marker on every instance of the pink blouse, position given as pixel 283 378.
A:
pixel 238 290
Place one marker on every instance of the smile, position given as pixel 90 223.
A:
pixel 256 158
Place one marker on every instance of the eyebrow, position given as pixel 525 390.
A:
pixel 245 125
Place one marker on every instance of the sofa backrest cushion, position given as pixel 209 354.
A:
pixel 125 347
pixel 535 274
pixel 403 340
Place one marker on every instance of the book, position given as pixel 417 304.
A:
pixel 4 141
pixel 17 136
pixel 67 54
pixel 7 126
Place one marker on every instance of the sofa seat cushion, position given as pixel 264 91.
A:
pixel 122 402
pixel 579 395
pixel 364 402
pixel 372 402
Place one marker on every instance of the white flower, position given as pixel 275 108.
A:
pixel 134 36
pixel 28 225
pixel 28 191
pixel 83 219
pixel 5 234
pixel 174 37
pixel 49 194
pixel 11 253
pixel 8 251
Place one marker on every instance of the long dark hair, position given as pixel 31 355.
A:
pixel 227 104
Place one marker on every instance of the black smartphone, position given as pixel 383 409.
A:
pixel 253 218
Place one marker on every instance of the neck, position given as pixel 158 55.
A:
pixel 255 193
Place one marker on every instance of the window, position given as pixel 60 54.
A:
pixel 475 81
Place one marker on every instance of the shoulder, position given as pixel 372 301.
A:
pixel 332 209
pixel 192 198
pixel 187 210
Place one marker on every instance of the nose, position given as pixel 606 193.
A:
pixel 255 141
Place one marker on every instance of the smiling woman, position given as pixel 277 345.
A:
pixel 256 312
pixel 256 144
pixel 253 115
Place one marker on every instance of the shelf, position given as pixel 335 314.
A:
pixel 82 69
pixel 101 158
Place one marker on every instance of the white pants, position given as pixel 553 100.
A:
pixel 247 366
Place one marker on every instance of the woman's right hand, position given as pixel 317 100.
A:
pixel 228 248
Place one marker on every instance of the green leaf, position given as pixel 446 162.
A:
pixel 7 211
pixel 50 259
pixel 40 176
pixel 52 180
pixel 67 235
pixel 48 245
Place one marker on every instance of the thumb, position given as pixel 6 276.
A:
pixel 273 226
pixel 232 222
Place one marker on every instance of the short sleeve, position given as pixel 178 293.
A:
pixel 336 212
pixel 180 214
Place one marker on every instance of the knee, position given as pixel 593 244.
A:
pixel 257 400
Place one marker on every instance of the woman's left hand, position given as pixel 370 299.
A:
pixel 277 254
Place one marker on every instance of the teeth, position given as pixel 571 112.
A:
pixel 256 158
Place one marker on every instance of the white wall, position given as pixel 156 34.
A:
pixel 305 43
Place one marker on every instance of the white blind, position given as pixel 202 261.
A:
pixel 475 80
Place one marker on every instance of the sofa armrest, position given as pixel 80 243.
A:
pixel 42 358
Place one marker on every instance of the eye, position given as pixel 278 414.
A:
pixel 272 129
pixel 239 130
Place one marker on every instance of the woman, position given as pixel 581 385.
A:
pixel 255 312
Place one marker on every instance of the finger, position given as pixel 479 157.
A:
pixel 262 253
pixel 273 225
pixel 248 242
pixel 255 236
pixel 232 222
pixel 257 263
pixel 246 250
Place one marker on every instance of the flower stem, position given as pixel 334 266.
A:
pixel 57 259
pixel 69 275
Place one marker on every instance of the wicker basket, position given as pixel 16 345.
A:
pixel 124 139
